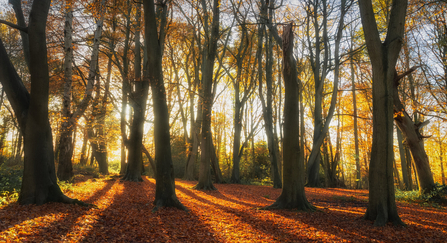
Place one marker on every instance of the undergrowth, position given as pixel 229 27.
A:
pixel 10 183
pixel 437 198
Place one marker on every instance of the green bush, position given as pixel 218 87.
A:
pixel 436 198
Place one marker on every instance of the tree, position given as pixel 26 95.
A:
pixel 383 55
pixel 65 169
pixel 413 138
pixel 266 104
pixel 320 129
pixel 155 24
pixel 292 194
pixel 139 98
pixel 39 184
pixel 208 57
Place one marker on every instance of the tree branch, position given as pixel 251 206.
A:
pixel 23 29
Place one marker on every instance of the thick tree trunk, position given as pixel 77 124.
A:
pixel 292 194
pixel 39 184
pixel 154 35
pixel 382 206
pixel 209 55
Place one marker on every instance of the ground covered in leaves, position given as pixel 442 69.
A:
pixel 230 214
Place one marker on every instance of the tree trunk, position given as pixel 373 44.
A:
pixel 39 184
pixel 292 194
pixel 125 91
pixel 382 206
pixel 155 35
pixel 413 139
pixel 84 152
pixel 209 55
pixel 139 96
pixel 403 160
pixel 215 165
pixel 356 135
pixel 65 170
pixel 267 109
pixel 441 161
pixel 320 131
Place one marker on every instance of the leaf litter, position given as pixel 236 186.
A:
pixel 230 214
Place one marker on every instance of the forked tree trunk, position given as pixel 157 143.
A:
pixel 382 206
pixel 155 35
pixel 209 55
pixel 292 194
pixel 65 170
pixel 414 140
pixel 39 184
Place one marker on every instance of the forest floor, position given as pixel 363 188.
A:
pixel 230 214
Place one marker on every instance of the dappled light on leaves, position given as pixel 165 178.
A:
pixel 230 214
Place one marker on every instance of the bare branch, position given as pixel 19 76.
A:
pixel 23 29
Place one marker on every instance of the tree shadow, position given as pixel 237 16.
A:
pixel 129 218
pixel 15 214
pixel 345 221
pixel 246 216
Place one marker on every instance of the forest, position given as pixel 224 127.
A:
pixel 223 120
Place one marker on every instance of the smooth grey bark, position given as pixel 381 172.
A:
pixel 65 169
pixel 383 55
pixel 208 57
pixel 292 194
pixel 155 23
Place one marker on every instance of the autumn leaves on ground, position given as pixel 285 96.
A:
pixel 230 214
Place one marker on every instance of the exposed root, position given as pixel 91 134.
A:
pixel 204 187
pixel 67 200
pixel 299 205
pixel 132 178
pixel 159 203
